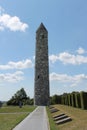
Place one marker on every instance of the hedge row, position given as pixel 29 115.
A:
pixel 83 100
pixel 75 99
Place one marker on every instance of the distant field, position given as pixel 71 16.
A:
pixel 79 118
pixel 11 116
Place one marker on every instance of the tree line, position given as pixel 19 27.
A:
pixel 74 99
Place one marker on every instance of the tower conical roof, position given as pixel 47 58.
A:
pixel 41 27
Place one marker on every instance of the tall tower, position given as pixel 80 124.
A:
pixel 41 90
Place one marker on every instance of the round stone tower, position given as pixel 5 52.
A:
pixel 41 88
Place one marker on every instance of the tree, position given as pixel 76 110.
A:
pixel 31 101
pixel 0 104
pixel 55 99
pixel 19 98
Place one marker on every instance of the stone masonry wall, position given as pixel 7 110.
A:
pixel 41 90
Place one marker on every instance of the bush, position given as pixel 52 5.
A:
pixel 1 104
pixel 63 99
pixel 66 100
pixel 78 100
pixel 83 100
pixel 55 99
pixel 73 99
pixel 32 101
pixel 69 100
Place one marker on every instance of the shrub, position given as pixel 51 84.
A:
pixel 55 99
pixel 69 100
pixel 83 100
pixel 66 100
pixel 73 99
pixel 63 99
pixel 78 100
pixel 1 104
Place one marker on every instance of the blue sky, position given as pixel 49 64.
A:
pixel 66 22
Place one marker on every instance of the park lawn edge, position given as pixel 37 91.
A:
pixel 20 121
pixel 15 120
pixel 24 117
pixel 51 122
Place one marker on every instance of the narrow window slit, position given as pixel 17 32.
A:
pixel 38 76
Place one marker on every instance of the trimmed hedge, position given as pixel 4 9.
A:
pixel 73 100
pixel 78 100
pixel 83 96
pixel 69 100
pixel 63 100
pixel 66 100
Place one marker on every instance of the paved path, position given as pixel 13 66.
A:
pixel 37 120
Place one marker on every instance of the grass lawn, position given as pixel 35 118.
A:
pixel 51 122
pixel 79 118
pixel 13 109
pixel 11 116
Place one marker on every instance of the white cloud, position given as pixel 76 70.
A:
pixel 68 79
pixel 73 85
pixel 17 65
pixel 12 23
pixel 12 77
pixel 80 50
pixel 53 58
pixel 60 77
pixel 67 58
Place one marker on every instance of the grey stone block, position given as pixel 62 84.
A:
pixel 53 110
pixel 55 116
pixel 60 117
pixel 64 120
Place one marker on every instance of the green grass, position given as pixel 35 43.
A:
pixel 51 122
pixel 11 116
pixel 79 118
pixel 7 122
pixel 13 109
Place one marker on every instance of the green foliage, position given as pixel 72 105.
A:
pixel 63 99
pixel 78 101
pixel 55 99
pixel 66 100
pixel 1 104
pixel 69 100
pixel 19 98
pixel 83 100
pixel 51 122
pixel 31 102
pixel 73 99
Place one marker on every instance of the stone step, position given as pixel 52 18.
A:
pixel 55 116
pixel 51 107
pixel 53 110
pixel 61 117
pixel 63 120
